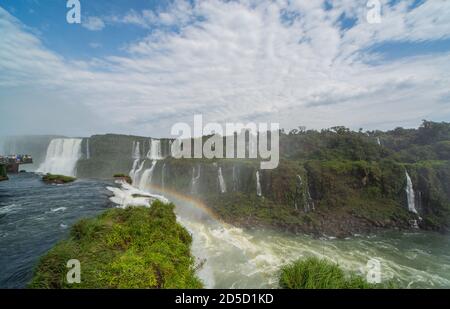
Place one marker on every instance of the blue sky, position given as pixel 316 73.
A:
pixel 140 66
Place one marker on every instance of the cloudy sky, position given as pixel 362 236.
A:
pixel 139 66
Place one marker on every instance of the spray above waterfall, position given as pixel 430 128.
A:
pixel 62 156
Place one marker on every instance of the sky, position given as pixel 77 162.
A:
pixel 140 66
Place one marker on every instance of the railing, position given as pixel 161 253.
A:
pixel 16 159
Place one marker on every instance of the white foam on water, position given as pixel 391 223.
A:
pixel 58 209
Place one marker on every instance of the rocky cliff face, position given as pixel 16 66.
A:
pixel 333 182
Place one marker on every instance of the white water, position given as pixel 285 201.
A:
pixel 235 179
pixel 137 173
pixel 136 152
pixel 155 152
pixel 62 156
pixel 310 200
pixel 133 169
pixel 258 185
pixel 163 176
pixel 88 151
pixel 128 196
pixel 195 180
pixel 410 194
pixel 146 178
pixel 222 185
pixel 235 258
pixel 378 141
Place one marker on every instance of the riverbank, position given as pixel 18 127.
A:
pixel 3 174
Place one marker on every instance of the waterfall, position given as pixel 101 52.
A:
pixel 222 185
pixel 410 194
pixel 136 174
pixel 163 176
pixel 195 180
pixel 310 200
pixel 258 185
pixel 88 152
pixel 155 152
pixel 133 169
pixel 235 179
pixel 297 189
pixel 146 178
pixel 136 155
pixel 136 152
pixel 378 141
pixel 62 156
pixel 303 191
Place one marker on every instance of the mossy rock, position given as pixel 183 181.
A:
pixel 57 179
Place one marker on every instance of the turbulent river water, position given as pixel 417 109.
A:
pixel 34 216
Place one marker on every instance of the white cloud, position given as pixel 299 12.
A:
pixel 242 61
pixel 93 23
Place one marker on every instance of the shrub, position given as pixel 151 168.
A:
pixel 313 273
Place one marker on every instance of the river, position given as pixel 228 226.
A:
pixel 34 216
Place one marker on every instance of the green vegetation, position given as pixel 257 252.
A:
pixel 123 177
pixel 137 247
pixel 3 174
pixel 356 177
pixel 57 179
pixel 313 273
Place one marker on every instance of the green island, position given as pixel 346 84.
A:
pixel 314 273
pixel 123 177
pixel 139 247
pixel 57 179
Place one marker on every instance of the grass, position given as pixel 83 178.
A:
pixel 138 247
pixel 313 273
pixel 61 179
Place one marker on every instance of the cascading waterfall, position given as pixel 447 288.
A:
pixel 195 180
pixel 136 155
pixel 62 156
pixel 163 176
pixel 258 185
pixel 235 179
pixel 309 199
pixel 378 141
pixel 222 185
pixel 88 151
pixel 136 174
pixel 146 178
pixel 411 197
pixel 136 152
pixel 410 194
pixel 155 152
